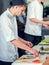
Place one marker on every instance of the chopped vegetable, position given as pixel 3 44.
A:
pixel 36 61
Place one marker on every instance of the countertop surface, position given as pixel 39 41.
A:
pixel 29 59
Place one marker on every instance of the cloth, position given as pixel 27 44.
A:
pixel 35 10
pixel 8 32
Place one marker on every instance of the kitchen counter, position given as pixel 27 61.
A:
pixel 29 59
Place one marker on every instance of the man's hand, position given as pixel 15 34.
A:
pixel 46 26
pixel 47 23
pixel 34 52
pixel 28 44
pixel 46 62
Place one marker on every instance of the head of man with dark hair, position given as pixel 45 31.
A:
pixel 17 7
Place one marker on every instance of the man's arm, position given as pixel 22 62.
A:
pixel 43 23
pixel 39 21
pixel 46 19
pixel 23 46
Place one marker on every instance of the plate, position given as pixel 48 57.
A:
pixel 27 57
pixel 44 50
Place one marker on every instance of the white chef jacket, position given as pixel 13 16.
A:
pixel 35 10
pixel 8 32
